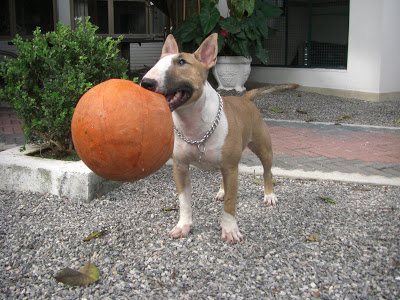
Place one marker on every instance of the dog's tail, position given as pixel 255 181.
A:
pixel 253 94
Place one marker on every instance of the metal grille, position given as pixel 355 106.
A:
pixel 309 34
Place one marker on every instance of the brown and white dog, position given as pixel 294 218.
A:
pixel 197 110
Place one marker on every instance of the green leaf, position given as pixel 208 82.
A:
pixel 301 111
pixel 95 235
pixel 328 200
pixel 262 55
pixel 269 10
pixel 250 29
pixel 169 209
pixel 230 24
pixel 274 109
pixel 309 120
pixel 397 122
pixel 237 8
pixel 209 17
pixel 345 117
pixel 188 31
pixel 262 26
pixel 87 275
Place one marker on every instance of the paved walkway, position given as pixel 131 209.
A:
pixel 355 153
pixel 370 154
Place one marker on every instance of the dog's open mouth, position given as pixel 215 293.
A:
pixel 178 98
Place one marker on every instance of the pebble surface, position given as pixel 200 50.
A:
pixel 305 248
pixel 306 106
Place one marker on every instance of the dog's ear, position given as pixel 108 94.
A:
pixel 208 51
pixel 170 46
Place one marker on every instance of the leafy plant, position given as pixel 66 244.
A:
pixel 51 73
pixel 246 28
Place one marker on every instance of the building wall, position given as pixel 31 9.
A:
pixel 373 57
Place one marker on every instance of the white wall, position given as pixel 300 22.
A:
pixel 390 49
pixel 373 56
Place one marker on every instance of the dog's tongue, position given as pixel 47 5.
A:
pixel 174 99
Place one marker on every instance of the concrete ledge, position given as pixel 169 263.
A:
pixel 20 172
pixel 318 175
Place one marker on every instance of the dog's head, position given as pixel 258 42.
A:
pixel 181 77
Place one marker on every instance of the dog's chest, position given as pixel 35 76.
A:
pixel 207 156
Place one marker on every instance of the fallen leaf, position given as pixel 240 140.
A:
pixel 95 235
pixel 309 120
pixel 302 112
pixel 328 200
pixel 317 294
pixel 275 290
pixel 313 238
pixel 87 275
pixel 298 95
pixel 274 109
pixel 337 123
pixel 361 189
pixel 345 117
pixel 169 209
pixel 397 122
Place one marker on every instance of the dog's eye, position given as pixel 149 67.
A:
pixel 181 62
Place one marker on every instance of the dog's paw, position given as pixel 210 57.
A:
pixel 220 195
pixel 180 231
pixel 230 229
pixel 270 199
pixel 232 237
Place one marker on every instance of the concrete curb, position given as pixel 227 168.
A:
pixel 20 172
pixel 318 175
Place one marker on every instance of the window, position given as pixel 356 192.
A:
pixel 121 16
pixel 23 16
pixel 310 34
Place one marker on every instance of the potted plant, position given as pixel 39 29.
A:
pixel 246 28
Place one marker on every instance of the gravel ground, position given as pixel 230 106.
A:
pixel 353 254
pixel 301 106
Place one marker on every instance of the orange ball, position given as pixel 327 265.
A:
pixel 122 131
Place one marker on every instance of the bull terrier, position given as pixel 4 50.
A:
pixel 211 132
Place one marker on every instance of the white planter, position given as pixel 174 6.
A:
pixel 231 72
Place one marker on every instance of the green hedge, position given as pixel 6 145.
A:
pixel 51 73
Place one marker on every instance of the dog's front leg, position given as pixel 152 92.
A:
pixel 182 180
pixel 230 229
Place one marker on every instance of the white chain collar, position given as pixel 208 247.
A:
pixel 200 144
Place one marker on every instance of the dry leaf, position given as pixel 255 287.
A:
pixel 95 235
pixel 87 275
pixel 361 189
pixel 313 238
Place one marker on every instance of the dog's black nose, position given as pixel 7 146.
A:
pixel 149 84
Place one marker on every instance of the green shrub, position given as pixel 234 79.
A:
pixel 51 73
